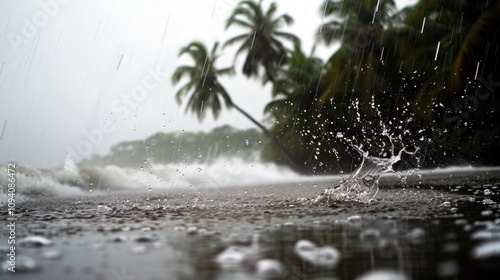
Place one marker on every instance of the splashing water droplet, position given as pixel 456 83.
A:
pixel 362 185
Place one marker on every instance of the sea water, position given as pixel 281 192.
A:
pixel 70 179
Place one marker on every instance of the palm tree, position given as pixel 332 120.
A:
pixel 208 94
pixel 353 68
pixel 262 41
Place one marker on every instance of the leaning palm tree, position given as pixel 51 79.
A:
pixel 262 41
pixel 207 93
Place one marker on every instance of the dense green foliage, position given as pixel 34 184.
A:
pixel 427 73
pixel 183 147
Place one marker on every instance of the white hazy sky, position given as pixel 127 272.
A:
pixel 60 79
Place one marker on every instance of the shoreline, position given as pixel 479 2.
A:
pixel 177 233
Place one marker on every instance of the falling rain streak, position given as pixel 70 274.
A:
pixel 375 12
pixel 165 30
pixel 437 51
pixel 323 18
pixel 58 40
pixel 477 70
pixel 119 63
pixel 253 39
pixel 3 129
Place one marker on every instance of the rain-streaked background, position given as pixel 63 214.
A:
pixel 64 78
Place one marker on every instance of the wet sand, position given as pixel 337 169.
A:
pixel 177 234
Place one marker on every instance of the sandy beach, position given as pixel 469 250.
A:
pixel 179 234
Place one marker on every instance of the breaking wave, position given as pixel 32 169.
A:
pixel 73 180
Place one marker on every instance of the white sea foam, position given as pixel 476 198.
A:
pixel 72 180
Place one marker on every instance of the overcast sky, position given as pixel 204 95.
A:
pixel 71 69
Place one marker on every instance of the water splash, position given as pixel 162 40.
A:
pixel 362 185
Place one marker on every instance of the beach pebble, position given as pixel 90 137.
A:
pixel 487 250
pixel 354 220
pixel 144 238
pixel 268 268
pixel 119 238
pixel 383 275
pixel 35 241
pixel 326 256
pixel 52 255
pixel 126 228
pixel 235 257
pixel 192 230
pixel 115 229
pixel 416 236
pixel 179 228
pixel 139 250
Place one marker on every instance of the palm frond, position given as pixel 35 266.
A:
pixel 235 39
pixel 271 11
pixel 183 91
pixel 290 37
pixel 286 19
pixel 225 71
pixel 239 22
pixel 180 72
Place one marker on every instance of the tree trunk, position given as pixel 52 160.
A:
pixel 297 166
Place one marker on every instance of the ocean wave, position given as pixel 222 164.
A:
pixel 73 180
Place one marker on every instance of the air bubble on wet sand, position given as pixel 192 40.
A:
pixel 235 257
pixel 487 250
pixel 269 268
pixel 35 241
pixel 325 257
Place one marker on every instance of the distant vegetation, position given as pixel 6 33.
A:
pixel 429 73
pixel 183 147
